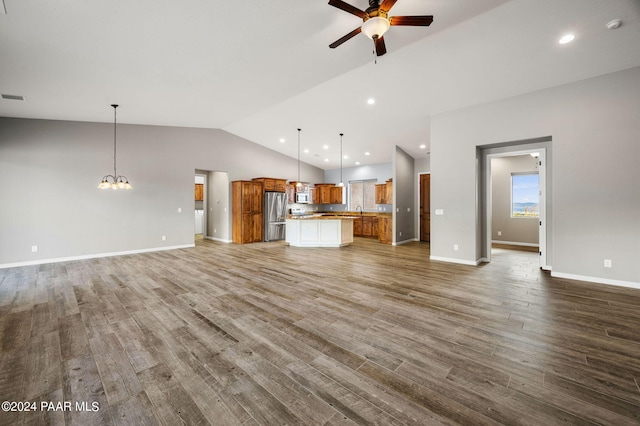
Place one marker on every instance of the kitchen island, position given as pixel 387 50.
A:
pixel 319 231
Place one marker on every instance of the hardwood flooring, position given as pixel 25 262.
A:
pixel 268 334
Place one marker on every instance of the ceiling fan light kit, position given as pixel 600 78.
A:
pixel 375 27
pixel 376 22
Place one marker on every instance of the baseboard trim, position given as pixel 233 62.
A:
pixel 92 256
pixel 597 280
pixel 218 239
pixel 453 260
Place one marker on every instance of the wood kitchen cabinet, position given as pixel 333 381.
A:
pixel 357 227
pixel 303 187
pixel 336 195
pixel 328 193
pixel 323 193
pixel 384 192
pixel 199 195
pixel 247 211
pixel 381 189
pixel 365 226
pixel 385 229
pixel 272 184
pixel 291 193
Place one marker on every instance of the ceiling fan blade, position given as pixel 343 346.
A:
pixel 415 21
pixel 345 38
pixel 348 8
pixel 387 5
pixel 381 49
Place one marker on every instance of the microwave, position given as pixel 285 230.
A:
pixel 302 197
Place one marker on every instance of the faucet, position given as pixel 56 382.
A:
pixel 359 207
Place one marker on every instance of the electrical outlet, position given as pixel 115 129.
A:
pixel 439 212
pixel 607 263
pixel 164 238
pixel 34 249
pixel 455 247
pixel 499 233
pixel 179 209
pixel 401 233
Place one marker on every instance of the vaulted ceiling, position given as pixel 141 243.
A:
pixel 262 69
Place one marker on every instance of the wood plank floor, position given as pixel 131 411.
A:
pixel 268 334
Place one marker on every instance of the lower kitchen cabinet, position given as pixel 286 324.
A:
pixel 385 229
pixel 365 226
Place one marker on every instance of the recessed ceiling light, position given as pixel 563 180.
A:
pixel 371 101
pixel 567 38
pixel 282 140
pixel 367 153
pixel 325 146
pixel 423 146
pixel 357 163
pixel 345 157
pixel 326 160
pixel 306 151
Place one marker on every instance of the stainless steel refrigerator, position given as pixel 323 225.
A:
pixel 275 214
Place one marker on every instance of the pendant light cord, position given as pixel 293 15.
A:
pixel 114 139
pixel 341 134
pixel 299 155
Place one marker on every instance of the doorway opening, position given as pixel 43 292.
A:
pixel 200 206
pixel 214 209
pixel 515 194
pixel 425 207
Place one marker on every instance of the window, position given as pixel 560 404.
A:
pixel 362 193
pixel 525 194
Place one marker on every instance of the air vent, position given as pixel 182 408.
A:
pixel 13 97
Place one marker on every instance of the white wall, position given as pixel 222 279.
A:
pixel 404 191
pixel 49 172
pixel 594 125
pixel 523 230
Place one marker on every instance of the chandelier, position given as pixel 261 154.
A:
pixel 114 181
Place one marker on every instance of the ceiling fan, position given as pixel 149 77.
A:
pixel 376 21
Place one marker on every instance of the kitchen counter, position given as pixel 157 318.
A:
pixel 321 216
pixel 319 231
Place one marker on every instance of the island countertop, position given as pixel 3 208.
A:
pixel 319 216
pixel 319 231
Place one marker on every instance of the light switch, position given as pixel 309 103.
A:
pixel 439 212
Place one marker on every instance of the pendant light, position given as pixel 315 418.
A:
pixel 341 182
pixel 299 183
pixel 114 181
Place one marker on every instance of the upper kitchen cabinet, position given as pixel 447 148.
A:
pixel 272 184
pixel 336 195
pixel 300 186
pixel 384 192
pixel 328 193
pixel 199 192
pixel 247 211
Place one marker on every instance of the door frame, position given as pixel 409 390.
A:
pixel 543 147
